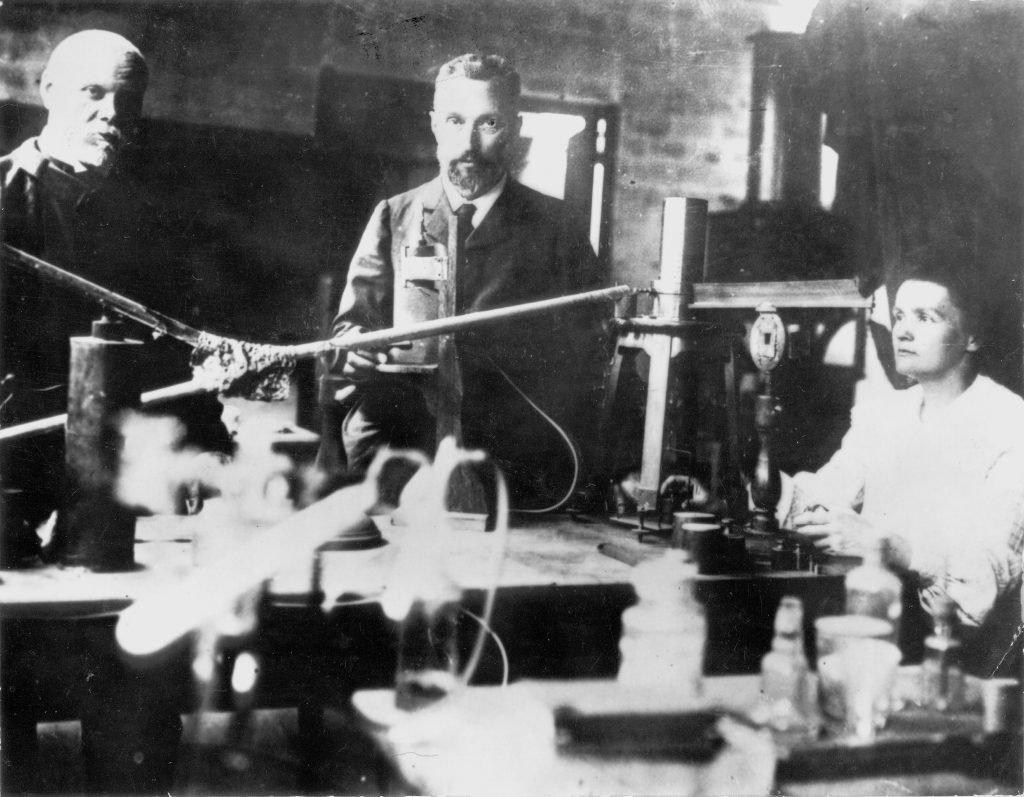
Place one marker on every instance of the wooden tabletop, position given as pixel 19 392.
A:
pixel 163 554
pixel 539 551
pixel 544 552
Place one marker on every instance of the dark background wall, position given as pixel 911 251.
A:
pixel 233 103
pixel 233 98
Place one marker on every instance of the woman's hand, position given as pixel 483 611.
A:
pixel 840 530
pixel 701 498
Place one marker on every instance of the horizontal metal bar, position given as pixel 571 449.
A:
pixel 381 338
pixel 150 398
pixel 791 294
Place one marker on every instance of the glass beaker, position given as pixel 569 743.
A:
pixel 832 635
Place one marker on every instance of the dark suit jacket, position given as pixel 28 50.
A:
pixel 526 248
pixel 104 230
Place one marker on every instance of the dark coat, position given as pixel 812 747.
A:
pixel 103 230
pixel 106 231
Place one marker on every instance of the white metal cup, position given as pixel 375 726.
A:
pixel 680 519
pixel 1000 702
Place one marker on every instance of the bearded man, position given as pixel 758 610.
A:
pixel 68 196
pixel 522 247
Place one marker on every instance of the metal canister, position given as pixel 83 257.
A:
pixel 93 529
pixel 734 547
pixel 705 543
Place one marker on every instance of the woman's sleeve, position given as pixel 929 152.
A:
pixel 840 481
pixel 981 555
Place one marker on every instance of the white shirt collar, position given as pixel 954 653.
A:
pixel 28 158
pixel 483 204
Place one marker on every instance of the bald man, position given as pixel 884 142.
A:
pixel 68 197
pixel 92 87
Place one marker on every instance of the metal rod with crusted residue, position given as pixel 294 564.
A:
pixel 377 338
pixel 262 371
pixel 107 298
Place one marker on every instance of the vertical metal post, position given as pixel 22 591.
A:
pixel 683 259
pixel 93 529
pixel 684 235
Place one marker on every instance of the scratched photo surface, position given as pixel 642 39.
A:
pixel 821 140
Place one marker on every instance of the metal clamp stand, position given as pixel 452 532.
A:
pixel 671 339
pixel 767 344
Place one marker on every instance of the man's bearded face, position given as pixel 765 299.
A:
pixel 475 132
pixel 93 107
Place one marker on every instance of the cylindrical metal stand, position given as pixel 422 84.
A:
pixel 684 235
pixel 93 529
pixel 670 384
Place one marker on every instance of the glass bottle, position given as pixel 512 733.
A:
pixel 873 590
pixel 942 679
pixel 663 634
pixel 786 686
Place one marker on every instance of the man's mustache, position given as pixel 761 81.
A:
pixel 112 135
pixel 474 159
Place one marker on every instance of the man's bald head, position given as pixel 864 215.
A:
pixel 92 86
pixel 103 46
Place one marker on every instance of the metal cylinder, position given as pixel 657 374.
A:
pixel 93 529
pixel 684 233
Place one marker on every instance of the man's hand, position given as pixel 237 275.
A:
pixel 361 364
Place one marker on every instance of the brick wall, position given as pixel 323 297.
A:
pixel 679 70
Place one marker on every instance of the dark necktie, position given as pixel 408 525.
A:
pixel 464 217
pixel 463 227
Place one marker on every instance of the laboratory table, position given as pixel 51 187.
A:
pixel 558 605
pixel 529 738
pixel 321 633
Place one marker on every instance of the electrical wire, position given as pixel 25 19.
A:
pixel 573 451
pixel 497 641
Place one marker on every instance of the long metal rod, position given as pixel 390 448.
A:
pixel 150 398
pixel 443 326
pixel 383 337
pixel 108 298
pixel 169 326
